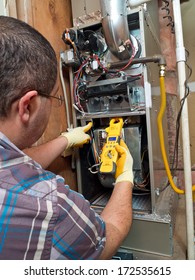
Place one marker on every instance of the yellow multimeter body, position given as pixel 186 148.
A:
pixel 109 154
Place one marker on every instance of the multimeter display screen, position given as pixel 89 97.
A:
pixel 112 139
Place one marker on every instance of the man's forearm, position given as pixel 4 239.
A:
pixel 118 217
pixel 46 153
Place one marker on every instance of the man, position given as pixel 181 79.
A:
pixel 40 217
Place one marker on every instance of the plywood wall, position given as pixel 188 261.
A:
pixel 51 17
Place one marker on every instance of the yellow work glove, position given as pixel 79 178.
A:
pixel 77 136
pixel 124 170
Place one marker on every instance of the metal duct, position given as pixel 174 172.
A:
pixel 135 3
pixel 115 26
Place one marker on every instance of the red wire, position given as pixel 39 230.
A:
pixel 130 60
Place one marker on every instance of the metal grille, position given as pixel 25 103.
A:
pixel 141 203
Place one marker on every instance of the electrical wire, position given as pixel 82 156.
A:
pixel 65 95
pixel 87 113
pixel 170 19
pixel 67 40
pixel 93 168
pixel 182 101
pixel 77 78
pixel 131 58
pixel 174 166
pixel 142 185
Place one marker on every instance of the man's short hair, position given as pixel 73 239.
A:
pixel 27 62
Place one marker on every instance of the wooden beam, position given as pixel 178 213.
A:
pixel 50 18
pixel 12 8
pixel 24 11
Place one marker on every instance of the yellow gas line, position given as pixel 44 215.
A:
pixel 161 134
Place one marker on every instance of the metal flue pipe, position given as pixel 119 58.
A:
pixel 115 27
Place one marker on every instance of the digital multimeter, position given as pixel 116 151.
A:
pixel 109 154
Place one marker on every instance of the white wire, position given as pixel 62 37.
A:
pixel 94 166
pixel 65 96
pixel 87 113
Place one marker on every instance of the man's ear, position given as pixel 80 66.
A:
pixel 27 104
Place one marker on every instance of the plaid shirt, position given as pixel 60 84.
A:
pixel 40 217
